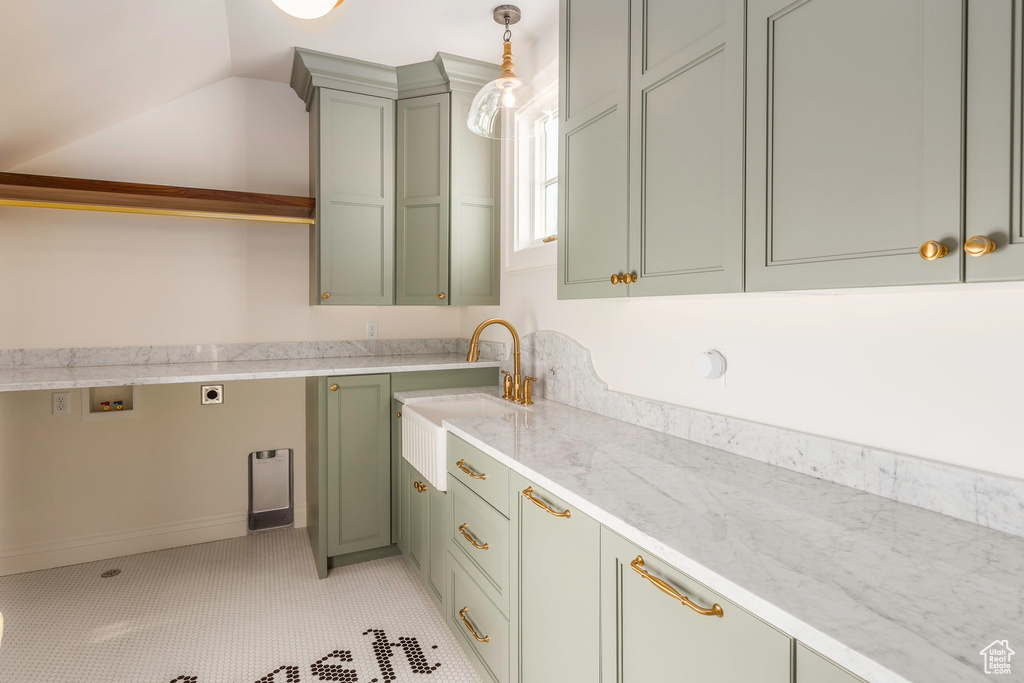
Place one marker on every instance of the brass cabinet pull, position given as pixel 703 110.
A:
pixel 398 414
pixel 462 466
pixel 326 295
pixel 638 567
pixel 629 278
pixel 462 530
pixel 334 387
pixel 616 279
pixel 933 251
pixel 419 486
pixel 441 296
pixel 528 495
pixel 979 245
pixel 479 639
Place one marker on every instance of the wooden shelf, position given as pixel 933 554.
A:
pixel 53 192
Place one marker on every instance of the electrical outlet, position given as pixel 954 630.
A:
pixel 61 403
pixel 371 330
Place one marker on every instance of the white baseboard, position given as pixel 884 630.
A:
pixel 141 539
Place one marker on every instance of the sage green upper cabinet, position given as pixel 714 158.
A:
pixel 558 584
pixel 647 632
pixel 593 240
pixel 358 463
pixel 813 668
pixel 353 240
pixel 421 251
pixel 475 198
pixel 686 147
pixel 854 138
pixel 995 135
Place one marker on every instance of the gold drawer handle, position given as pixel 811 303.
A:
pixel 528 494
pixel 462 466
pixel 638 564
pixel 462 615
pixel 462 530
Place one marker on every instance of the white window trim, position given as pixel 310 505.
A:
pixel 541 255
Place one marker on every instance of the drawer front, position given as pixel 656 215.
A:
pixel 469 608
pixel 655 631
pixel 474 523
pixel 485 476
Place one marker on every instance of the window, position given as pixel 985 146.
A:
pixel 532 163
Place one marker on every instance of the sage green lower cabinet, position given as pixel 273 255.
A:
pixel 424 516
pixel 648 635
pixel 813 668
pixel 556 613
pixel 358 463
pixel 480 627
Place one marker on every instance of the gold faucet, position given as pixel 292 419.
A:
pixel 515 390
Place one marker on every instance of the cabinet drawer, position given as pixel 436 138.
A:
pixel 485 477
pixel 473 521
pixel 469 608
pixel 656 630
pixel 813 668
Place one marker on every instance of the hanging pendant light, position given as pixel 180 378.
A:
pixel 307 9
pixel 492 114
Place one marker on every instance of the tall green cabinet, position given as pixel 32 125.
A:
pixel 407 197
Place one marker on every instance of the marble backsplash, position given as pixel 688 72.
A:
pixel 566 374
pixel 219 353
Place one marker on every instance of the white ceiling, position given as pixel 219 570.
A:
pixel 69 68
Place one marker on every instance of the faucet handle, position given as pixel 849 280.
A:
pixel 528 390
pixel 507 385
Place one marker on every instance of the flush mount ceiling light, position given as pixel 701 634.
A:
pixel 307 9
pixel 497 102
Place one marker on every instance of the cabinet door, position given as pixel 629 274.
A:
pixel 854 137
pixel 354 239
pixel 813 668
pixel 397 516
pixel 476 227
pixel 558 619
pixel 593 105
pixel 421 239
pixel 686 147
pixel 417 540
pixel 358 463
pixel 437 531
pixel 995 135
pixel 647 633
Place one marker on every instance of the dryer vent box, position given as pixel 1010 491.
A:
pixel 271 490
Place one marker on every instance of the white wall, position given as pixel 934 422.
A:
pixel 93 279
pixel 935 372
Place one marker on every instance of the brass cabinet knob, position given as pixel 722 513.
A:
pixel 629 278
pixel 398 414
pixel 616 279
pixel 441 296
pixel 334 387
pixel 979 245
pixel 326 295
pixel 932 250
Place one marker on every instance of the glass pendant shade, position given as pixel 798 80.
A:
pixel 492 114
pixel 307 9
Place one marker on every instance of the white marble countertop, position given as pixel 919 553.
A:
pixel 890 591
pixel 30 379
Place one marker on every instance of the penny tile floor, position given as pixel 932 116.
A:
pixel 237 611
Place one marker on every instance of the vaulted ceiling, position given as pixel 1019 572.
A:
pixel 69 68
